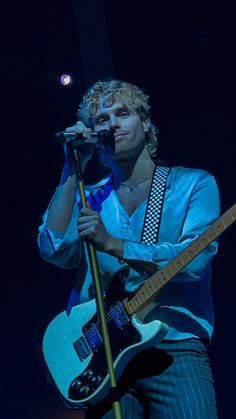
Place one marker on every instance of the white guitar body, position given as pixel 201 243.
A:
pixel 65 365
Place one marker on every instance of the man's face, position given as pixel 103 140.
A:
pixel 127 127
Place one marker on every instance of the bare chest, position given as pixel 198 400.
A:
pixel 131 200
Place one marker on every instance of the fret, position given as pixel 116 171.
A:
pixel 158 280
pixel 186 257
pixel 197 246
pixel 178 263
pixel 153 284
pixel 173 267
pixel 224 222
pixel 133 303
pixel 137 299
pixel 161 276
pixel 140 295
pixel 232 212
pixel 167 276
pixel 191 252
pixel 211 235
pixel 168 268
pixel 153 289
pixel 203 241
pixel 147 290
pixel 150 286
pixel 218 226
pixel 227 219
pixel 141 303
pixel 129 307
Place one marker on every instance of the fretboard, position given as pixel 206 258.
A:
pixel 147 292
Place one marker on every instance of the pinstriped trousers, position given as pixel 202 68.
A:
pixel 171 381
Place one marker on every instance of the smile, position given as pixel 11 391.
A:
pixel 119 137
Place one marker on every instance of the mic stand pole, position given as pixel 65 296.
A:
pixel 100 303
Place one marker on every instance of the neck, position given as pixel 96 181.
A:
pixel 132 172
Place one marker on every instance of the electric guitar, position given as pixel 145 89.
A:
pixel 73 345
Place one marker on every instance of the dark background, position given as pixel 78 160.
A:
pixel 182 54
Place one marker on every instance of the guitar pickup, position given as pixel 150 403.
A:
pixel 93 338
pixel 119 316
pixel 81 348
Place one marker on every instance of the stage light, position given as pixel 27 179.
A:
pixel 66 79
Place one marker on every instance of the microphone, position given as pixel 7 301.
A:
pixel 104 136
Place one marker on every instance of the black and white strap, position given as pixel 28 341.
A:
pixel 154 207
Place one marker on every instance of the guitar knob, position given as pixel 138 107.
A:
pixel 76 384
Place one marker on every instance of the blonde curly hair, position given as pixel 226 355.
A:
pixel 112 91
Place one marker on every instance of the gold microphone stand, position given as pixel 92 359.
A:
pixel 99 294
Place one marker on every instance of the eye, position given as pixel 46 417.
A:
pixel 124 113
pixel 100 121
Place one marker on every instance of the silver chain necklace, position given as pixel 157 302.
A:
pixel 131 188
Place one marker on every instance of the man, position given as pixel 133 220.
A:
pixel 173 378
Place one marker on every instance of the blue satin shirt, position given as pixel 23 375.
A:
pixel 191 205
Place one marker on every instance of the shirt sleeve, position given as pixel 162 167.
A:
pixel 203 209
pixel 62 250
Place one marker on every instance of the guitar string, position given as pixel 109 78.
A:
pixel 109 318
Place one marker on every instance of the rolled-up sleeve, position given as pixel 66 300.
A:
pixel 63 250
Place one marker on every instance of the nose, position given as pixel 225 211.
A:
pixel 114 122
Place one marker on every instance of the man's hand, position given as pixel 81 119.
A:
pixel 92 230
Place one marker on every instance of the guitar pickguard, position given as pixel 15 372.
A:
pixel 122 335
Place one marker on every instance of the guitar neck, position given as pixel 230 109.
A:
pixel 147 292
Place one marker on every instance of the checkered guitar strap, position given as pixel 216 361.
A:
pixel 154 208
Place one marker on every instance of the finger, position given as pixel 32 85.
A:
pixel 87 232
pixel 87 211
pixel 80 127
pixel 71 129
pixel 84 220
